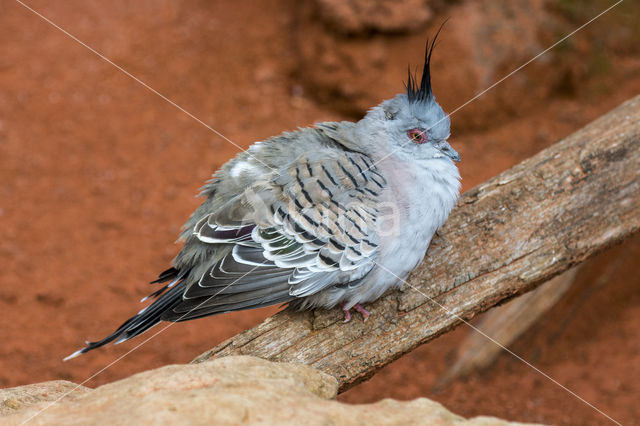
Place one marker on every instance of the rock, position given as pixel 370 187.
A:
pixel 363 16
pixel 22 397
pixel 229 390
pixel 482 42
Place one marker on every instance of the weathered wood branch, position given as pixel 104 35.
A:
pixel 506 236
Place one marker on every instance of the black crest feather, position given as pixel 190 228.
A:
pixel 423 92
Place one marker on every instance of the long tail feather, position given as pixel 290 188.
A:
pixel 146 318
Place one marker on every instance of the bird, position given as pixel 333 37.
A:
pixel 330 215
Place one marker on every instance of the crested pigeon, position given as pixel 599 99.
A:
pixel 331 215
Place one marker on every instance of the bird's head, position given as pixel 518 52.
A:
pixel 412 124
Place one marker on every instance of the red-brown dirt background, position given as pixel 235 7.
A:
pixel 97 173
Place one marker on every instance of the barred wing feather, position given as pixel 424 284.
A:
pixel 319 231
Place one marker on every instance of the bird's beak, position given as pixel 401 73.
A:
pixel 449 152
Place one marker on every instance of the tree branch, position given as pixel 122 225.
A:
pixel 507 235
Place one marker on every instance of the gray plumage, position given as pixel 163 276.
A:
pixel 324 216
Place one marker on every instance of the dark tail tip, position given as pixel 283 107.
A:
pixel 110 338
pixel 147 317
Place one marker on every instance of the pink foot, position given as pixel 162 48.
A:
pixel 365 314
pixel 358 307
pixel 347 313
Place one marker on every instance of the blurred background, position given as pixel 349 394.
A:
pixel 97 173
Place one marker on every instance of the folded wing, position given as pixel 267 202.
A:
pixel 311 227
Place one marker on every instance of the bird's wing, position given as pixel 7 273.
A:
pixel 310 225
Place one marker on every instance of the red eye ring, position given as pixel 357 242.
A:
pixel 417 136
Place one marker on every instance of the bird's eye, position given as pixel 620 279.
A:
pixel 417 136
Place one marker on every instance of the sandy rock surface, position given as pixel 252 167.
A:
pixel 13 400
pixel 231 390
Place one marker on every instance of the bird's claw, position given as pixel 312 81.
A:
pixel 365 314
pixel 347 315
pixel 358 307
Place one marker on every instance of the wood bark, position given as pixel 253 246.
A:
pixel 505 237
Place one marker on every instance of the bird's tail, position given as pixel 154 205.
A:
pixel 168 297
